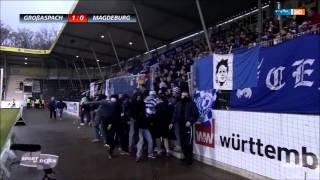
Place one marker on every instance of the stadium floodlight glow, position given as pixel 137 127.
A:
pixel 161 47
pixel 187 37
pixel 102 36
pixel 25 58
pixel 25 63
pixel 130 43
pixel 150 51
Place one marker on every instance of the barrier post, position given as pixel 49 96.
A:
pixel 67 66
pixel 141 29
pixel 1 84
pixel 115 51
pixel 85 68
pixel 58 75
pixel 259 18
pixel 76 69
pixel 96 58
pixel 204 26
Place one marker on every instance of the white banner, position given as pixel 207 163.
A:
pixel 107 90
pixel 223 71
pixel 73 108
pixel 278 146
pixel 12 104
pixel 92 92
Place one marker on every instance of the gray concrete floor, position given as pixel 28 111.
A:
pixel 82 160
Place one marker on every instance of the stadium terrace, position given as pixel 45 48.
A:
pixel 197 89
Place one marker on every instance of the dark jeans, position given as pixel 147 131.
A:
pixel 53 112
pixel 133 135
pixel 124 136
pixel 85 114
pixel 108 136
pixel 186 141
pixel 152 128
pixel 60 112
pixel 97 131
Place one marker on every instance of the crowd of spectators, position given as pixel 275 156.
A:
pixel 150 116
pixel 171 73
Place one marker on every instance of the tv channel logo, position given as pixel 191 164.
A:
pixel 290 12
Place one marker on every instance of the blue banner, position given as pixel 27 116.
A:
pixel 288 79
pixel 123 85
pixel 203 69
pixel 245 68
pixel 204 128
pixel 228 71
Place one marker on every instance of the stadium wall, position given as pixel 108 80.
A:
pixel 261 145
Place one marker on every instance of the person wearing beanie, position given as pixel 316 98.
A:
pixel 185 115
pixel 107 112
pixel 143 123
pixel 151 102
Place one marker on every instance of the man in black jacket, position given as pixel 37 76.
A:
pixel 162 120
pixel 124 124
pixel 84 111
pixel 52 107
pixel 61 105
pixel 185 114
pixel 136 112
pixel 108 112
pixel 143 124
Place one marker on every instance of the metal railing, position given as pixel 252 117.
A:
pixel 279 40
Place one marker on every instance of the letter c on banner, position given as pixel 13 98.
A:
pixel 277 78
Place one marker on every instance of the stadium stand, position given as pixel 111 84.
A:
pixel 147 92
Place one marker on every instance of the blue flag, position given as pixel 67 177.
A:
pixel 203 73
pixel 288 79
pixel 228 71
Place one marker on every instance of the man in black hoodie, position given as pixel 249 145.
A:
pixel 143 124
pixel 185 114
pixel 52 107
pixel 61 105
pixel 109 113
pixel 162 120
pixel 135 112
pixel 124 124
pixel 96 120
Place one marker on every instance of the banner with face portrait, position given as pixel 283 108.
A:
pixel 227 71
pixel 222 71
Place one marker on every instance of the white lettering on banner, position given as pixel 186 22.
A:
pixel 35 159
pixel 301 71
pixel 259 149
pixel 259 66
pixel 246 92
pixel 47 161
pixel 204 137
pixel 277 78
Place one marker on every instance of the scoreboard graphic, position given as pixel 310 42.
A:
pixel 78 18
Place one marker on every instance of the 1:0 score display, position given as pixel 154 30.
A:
pixel 77 18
